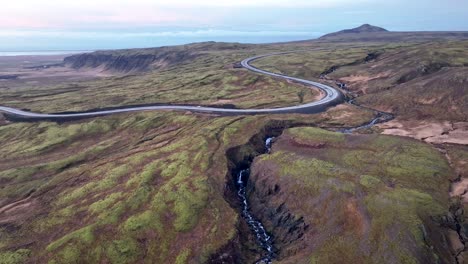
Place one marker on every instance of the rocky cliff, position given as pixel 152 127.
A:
pixel 138 60
pixel 125 62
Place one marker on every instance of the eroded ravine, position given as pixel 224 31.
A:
pixel 264 240
pixel 238 191
pixel 269 241
pixel 253 243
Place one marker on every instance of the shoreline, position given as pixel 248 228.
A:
pixel 41 53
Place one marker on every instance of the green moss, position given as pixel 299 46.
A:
pixel 408 259
pixel 14 257
pixel 403 207
pixel 83 235
pixel 109 180
pixel 67 162
pixel 306 134
pixel 69 254
pixel 178 165
pixel 99 206
pixel 77 193
pixel 123 251
pixel 187 208
pixel 56 218
pixel 183 256
pixel 305 169
pixel 148 174
pixel 369 181
pixel 139 196
pixel 404 181
pixel 143 221
pixel 112 215
pixel 50 135
pixel 19 174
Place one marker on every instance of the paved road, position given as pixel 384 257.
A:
pixel 332 97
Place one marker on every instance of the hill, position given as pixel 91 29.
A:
pixel 368 33
pixel 366 28
pixel 139 60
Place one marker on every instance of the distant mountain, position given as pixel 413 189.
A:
pixel 366 28
pixel 368 32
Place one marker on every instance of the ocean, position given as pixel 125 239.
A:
pixel 40 53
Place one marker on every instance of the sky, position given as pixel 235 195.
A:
pixel 111 24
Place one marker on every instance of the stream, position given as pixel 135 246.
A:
pixel 380 117
pixel 264 240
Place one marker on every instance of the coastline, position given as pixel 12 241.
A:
pixel 41 53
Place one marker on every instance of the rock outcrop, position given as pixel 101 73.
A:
pixel 139 60
pixel 130 61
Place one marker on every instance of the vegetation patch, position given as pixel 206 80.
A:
pixel 363 198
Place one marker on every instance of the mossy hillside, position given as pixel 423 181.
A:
pixel 140 191
pixel 414 80
pixel 313 135
pixel 381 192
pixel 404 161
pixel 183 196
pixel 149 186
pixel 132 192
pixel 46 136
pixel 14 257
pixel 36 177
pixel 310 64
pixel 441 95
pixel 208 79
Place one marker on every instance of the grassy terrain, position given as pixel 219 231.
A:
pixel 144 187
pixel 208 79
pixel 413 80
pixel 364 198
pixel 149 187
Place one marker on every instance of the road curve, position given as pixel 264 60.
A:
pixel 332 97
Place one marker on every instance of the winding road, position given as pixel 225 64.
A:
pixel 332 97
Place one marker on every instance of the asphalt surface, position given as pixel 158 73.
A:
pixel 332 97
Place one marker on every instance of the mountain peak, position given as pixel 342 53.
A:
pixel 365 28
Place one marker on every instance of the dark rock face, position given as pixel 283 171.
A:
pixel 237 65
pixel 422 70
pixel 9 77
pixel 288 229
pixel 244 248
pixel 3 120
pixel 122 62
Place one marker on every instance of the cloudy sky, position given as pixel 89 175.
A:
pixel 103 24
